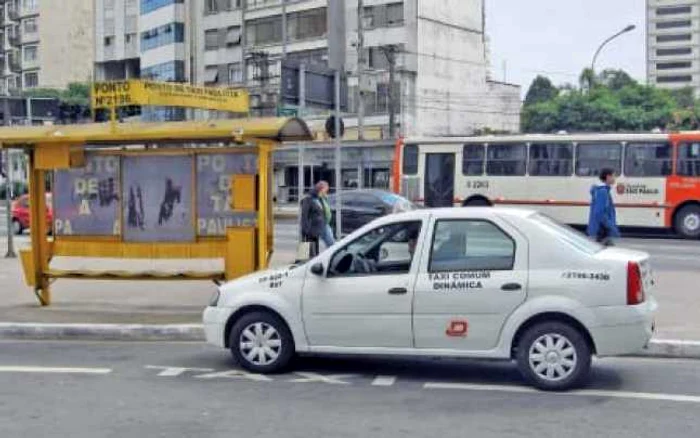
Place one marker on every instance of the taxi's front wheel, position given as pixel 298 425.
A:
pixel 261 343
pixel 554 356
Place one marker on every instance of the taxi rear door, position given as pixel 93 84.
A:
pixel 473 275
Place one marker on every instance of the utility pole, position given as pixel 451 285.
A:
pixel 360 70
pixel 338 161
pixel 8 204
pixel 390 53
pixel 284 29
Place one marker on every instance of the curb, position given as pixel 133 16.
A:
pixel 659 348
pixel 102 332
pixel 285 215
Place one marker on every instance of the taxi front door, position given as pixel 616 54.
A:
pixel 472 277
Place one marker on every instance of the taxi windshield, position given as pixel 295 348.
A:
pixel 569 235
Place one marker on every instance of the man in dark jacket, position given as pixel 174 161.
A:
pixel 602 219
pixel 316 217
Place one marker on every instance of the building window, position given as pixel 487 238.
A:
pixel 29 5
pixel 31 80
pixel 264 30
pixel 673 24
pixel 309 57
pixel 307 24
pixel 384 15
pixel 648 160
pixel 211 75
pixel 551 159
pixel 151 5
pixel 674 10
pixel 235 73
pixel 30 25
pixel 506 160
pixel 109 40
pixel 233 36
pixel 163 35
pixel 591 158
pixel 673 65
pixel 410 160
pixel 673 38
pixel 31 53
pixel 211 39
pixel 673 79
pixel 674 52
pixel 173 71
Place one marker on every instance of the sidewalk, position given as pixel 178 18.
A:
pixel 181 302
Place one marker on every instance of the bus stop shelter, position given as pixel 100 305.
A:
pixel 184 190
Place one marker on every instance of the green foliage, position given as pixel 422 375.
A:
pixel 541 90
pixel 75 94
pixel 609 102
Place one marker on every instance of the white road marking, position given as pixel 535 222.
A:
pixel 176 371
pixel 53 370
pixel 384 381
pixel 235 374
pixel 581 392
pixel 332 379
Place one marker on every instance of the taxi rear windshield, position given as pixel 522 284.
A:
pixel 569 235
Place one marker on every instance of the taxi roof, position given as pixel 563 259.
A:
pixel 459 213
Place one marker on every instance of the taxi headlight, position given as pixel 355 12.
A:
pixel 214 300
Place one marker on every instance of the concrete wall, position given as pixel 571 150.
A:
pixel 66 51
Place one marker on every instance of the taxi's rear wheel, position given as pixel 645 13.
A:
pixel 261 342
pixel 554 356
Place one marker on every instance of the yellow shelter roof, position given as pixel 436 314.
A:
pixel 276 129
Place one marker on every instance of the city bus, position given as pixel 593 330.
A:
pixel 658 183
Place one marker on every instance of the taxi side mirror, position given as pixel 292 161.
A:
pixel 317 269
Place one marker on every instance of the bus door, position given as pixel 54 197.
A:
pixel 439 181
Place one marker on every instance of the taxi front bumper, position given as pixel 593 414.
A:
pixel 214 320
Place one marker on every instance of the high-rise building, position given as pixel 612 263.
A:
pixel 44 45
pixel 673 43
pixel 441 84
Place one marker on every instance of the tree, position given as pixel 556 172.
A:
pixel 615 79
pixel 541 90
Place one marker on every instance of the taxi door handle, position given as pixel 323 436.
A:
pixel 398 291
pixel 511 287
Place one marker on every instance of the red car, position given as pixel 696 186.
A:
pixel 20 213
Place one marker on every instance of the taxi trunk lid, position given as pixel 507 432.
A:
pixel 616 254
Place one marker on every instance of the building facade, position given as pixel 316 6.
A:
pixel 441 84
pixel 44 45
pixel 673 43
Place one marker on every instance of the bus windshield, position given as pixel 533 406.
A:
pixel 569 235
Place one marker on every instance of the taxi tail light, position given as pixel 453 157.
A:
pixel 635 290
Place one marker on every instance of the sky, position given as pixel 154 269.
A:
pixel 558 38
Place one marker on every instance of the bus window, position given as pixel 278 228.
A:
pixel 648 159
pixel 410 160
pixel 591 158
pixel 689 159
pixel 506 159
pixel 473 159
pixel 553 159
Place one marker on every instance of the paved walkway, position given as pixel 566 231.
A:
pixel 176 302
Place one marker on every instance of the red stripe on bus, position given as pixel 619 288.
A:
pixel 562 203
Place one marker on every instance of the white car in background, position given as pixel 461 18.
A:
pixel 488 283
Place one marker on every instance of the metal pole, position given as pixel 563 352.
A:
pixel 8 205
pixel 300 150
pixel 360 71
pixel 284 29
pixel 338 171
pixel 629 28
pixel 391 57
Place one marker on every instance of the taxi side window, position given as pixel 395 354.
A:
pixel 471 245
pixel 384 250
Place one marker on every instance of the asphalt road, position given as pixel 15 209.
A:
pixel 184 390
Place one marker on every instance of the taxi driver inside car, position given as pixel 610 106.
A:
pixel 492 283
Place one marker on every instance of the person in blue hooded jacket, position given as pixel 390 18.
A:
pixel 602 220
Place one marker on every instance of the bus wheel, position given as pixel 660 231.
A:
pixel 687 221
pixel 477 202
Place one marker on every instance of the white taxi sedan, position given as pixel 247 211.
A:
pixel 474 282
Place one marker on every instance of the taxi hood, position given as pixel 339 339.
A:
pixel 263 277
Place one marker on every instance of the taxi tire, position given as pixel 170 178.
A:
pixel 287 351
pixel 583 353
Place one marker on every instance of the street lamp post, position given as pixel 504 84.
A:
pixel 629 28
